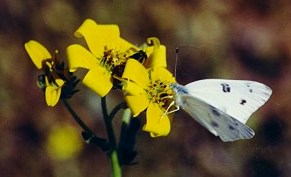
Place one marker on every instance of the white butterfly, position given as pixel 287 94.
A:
pixel 222 106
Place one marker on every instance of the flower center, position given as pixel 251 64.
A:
pixel 54 72
pixel 159 92
pixel 114 60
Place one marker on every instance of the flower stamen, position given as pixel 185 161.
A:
pixel 159 92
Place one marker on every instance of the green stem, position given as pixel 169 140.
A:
pixel 116 170
pixel 77 118
pixel 88 135
pixel 126 116
pixel 126 146
pixel 108 124
pixel 116 109
pixel 125 123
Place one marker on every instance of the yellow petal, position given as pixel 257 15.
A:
pixel 132 88
pixel 98 36
pixel 37 52
pixel 162 74
pixel 60 82
pixel 52 95
pixel 99 80
pixel 136 72
pixel 78 56
pixel 156 57
pixel 123 45
pixel 157 123
pixel 137 103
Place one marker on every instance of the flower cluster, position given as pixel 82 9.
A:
pixel 56 81
pixel 111 62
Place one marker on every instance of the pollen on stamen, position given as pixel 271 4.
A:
pixel 159 92
pixel 114 60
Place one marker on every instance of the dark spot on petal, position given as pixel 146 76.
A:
pixel 163 95
pixel 251 90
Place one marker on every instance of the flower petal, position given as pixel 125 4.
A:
pixel 157 56
pixel 160 73
pixel 98 36
pixel 132 88
pixel 37 52
pixel 136 72
pixel 78 56
pixel 59 82
pixel 123 45
pixel 52 95
pixel 137 103
pixel 157 123
pixel 99 80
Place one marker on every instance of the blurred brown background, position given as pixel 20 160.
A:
pixel 217 39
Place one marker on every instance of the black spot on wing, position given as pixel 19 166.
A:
pixel 214 124
pixel 243 101
pixel 237 130
pixel 230 127
pixel 215 111
pixel 225 88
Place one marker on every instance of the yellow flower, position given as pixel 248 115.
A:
pixel 149 89
pixel 107 56
pixel 51 82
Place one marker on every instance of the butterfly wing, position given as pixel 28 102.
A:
pixel 215 120
pixel 237 98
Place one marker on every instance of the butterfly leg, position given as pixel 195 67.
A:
pixel 169 112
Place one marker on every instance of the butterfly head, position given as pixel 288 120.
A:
pixel 178 89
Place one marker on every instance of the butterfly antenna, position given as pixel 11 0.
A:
pixel 176 61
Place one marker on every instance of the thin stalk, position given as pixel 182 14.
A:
pixel 77 118
pixel 88 135
pixel 126 116
pixel 116 109
pixel 116 170
pixel 108 124
pixel 125 123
